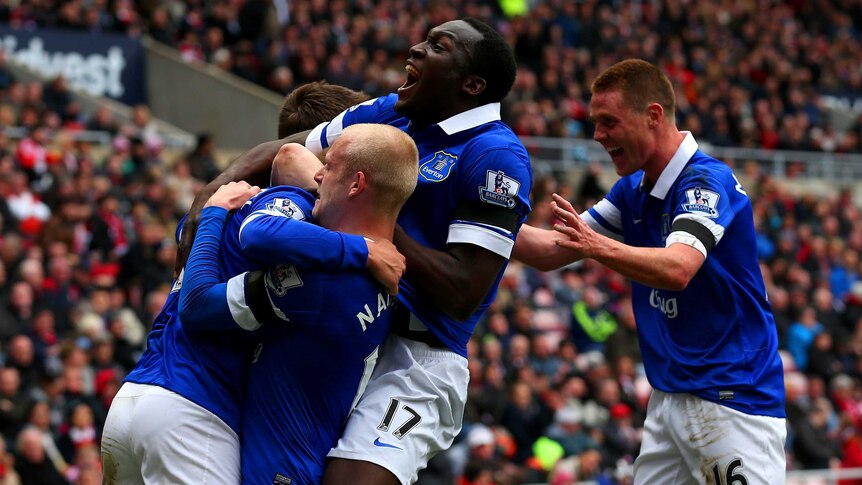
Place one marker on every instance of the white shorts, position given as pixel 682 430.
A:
pixel 688 440
pixel 153 435
pixel 411 410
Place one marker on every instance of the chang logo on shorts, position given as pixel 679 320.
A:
pixel 701 200
pixel 281 278
pixel 499 189
pixel 438 168
pixel 286 207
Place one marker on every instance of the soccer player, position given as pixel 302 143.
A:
pixel 704 323
pixel 319 344
pixel 200 374
pixel 312 101
pixel 457 231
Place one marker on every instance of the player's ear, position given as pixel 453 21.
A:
pixel 359 184
pixel 655 112
pixel 474 85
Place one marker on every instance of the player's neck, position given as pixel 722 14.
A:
pixel 666 148
pixel 420 122
pixel 370 226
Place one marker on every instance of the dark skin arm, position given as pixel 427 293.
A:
pixel 454 281
pixel 253 166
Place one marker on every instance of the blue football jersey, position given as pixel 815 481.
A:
pixel 473 188
pixel 716 339
pixel 207 367
pixel 310 370
pixel 319 332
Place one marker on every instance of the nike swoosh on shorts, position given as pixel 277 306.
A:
pixel 381 444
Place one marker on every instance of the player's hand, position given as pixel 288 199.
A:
pixel 386 264
pixel 295 165
pixel 581 238
pixel 232 195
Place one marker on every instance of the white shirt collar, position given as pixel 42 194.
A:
pixel 674 167
pixel 471 118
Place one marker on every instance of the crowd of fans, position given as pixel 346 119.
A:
pixel 748 74
pixel 557 390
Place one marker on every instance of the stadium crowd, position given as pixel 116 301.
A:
pixel 748 74
pixel 557 391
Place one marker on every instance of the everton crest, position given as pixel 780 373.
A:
pixel 438 168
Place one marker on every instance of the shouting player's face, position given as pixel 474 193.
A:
pixel 623 131
pixel 436 71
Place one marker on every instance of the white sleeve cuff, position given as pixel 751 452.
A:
pixel 480 236
pixel 240 311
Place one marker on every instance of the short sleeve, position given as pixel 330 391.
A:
pixel 494 201
pixel 703 208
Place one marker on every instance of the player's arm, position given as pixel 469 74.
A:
pixel 273 238
pixel 668 268
pixel 455 281
pixel 254 166
pixel 204 302
pixel 277 239
pixel 493 190
pixel 538 248
pixel 296 166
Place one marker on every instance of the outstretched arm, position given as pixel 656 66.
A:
pixel 538 248
pixel 670 268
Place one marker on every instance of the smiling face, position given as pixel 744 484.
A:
pixel 436 71
pixel 623 131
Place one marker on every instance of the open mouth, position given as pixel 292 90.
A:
pixel 614 151
pixel 412 77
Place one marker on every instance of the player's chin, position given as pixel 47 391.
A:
pixel 402 106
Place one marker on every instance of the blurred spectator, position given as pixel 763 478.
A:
pixel 813 448
pixel 21 356
pixel 822 359
pixel 578 468
pixel 526 419
pixel 32 463
pixel 624 341
pixel 103 120
pixel 801 336
pixel 14 402
pixel 621 440
pixel 202 160
pixel 569 432
pixel 591 323
pixel 80 433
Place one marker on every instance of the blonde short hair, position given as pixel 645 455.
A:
pixel 389 159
